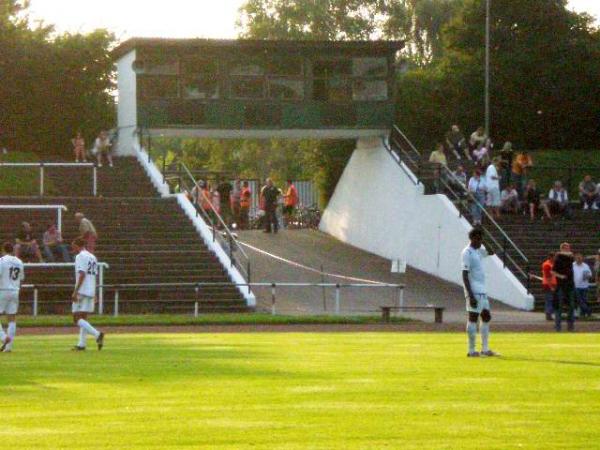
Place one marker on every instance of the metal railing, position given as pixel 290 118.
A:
pixel 43 165
pixel 59 209
pixel 197 287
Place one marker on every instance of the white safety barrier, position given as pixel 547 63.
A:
pixel 59 210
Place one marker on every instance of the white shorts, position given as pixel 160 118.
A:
pixel 9 302
pixel 482 303
pixel 84 304
pixel 493 199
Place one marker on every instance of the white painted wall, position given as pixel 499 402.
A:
pixel 377 208
pixel 127 105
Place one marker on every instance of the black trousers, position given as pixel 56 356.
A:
pixel 271 219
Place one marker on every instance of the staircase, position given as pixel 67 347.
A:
pixel 144 239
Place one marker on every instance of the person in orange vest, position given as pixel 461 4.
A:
pixel 290 202
pixel 549 285
pixel 245 201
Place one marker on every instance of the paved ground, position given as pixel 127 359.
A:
pixel 316 249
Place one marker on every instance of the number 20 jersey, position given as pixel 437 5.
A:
pixel 12 273
pixel 87 263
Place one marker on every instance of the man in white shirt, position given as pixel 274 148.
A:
pixel 84 294
pixel 473 275
pixel 582 274
pixel 492 182
pixel 558 200
pixel 12 273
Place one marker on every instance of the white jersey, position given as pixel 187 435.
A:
pixel 472 262
pixel 87 263
pixel 12 272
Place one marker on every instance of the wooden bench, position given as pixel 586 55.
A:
pixel 437 310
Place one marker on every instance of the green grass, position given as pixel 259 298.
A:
pixel 302 391
pixel 22 181
pixel 205 319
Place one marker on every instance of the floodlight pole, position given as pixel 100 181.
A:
pixel 487 67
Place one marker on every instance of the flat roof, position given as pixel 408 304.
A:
pixel 150 43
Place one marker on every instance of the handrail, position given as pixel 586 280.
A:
pixel 59 209
pixel 412 177
pixel 399 131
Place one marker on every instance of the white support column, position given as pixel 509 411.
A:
pixel 101 291
pixel 41 180
pixel 95 181
pixel 59 219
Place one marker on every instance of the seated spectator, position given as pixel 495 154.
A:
pixel 588 193
pixel 481 155
pixel 457 143
pixel 53 245
pixel 509 199
pixel 533 201
pixel 558 200
pixel 477 190
pixel 582 274
pixel 26 246
pixel 102 146
pixel 438 156
pixel 520 169
pixel 477 137
pixel 461 177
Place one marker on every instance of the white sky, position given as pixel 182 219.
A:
pixel 179 18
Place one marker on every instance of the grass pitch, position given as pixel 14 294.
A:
pixel 301 391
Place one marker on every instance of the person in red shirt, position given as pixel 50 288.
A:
pixel 549 285
pixel 290 201
pixel 245 203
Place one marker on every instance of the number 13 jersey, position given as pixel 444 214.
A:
pixel 87 263
pixel 12 273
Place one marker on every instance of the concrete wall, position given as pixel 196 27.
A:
pixel 376 207
pixel 127 105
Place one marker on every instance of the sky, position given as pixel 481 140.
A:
pixel 182 18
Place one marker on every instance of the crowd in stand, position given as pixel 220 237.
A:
pixel 53 247
pixel 233 203
pixel 501 180
pixel 103 147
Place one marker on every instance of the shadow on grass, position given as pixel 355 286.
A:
pixel 553 361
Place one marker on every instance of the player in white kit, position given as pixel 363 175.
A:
pixel 84 294
pixel 12 273
pixel 478 304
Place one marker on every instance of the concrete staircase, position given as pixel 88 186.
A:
pixel 144 239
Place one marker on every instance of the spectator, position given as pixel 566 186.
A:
pixel 477 190
pixel 481 155
pixel 597 275
pixel 234 199
pixel 224 190
pixel 245 202
pixel 79 147
pixel 87 231
pixel 549 285
pixel 438 156
pixel 562 269
pixel 270 193
pixel 456 143
pixel 290 202
pixel 509 199
pixel 102 147
pixel 520 168
pixel 53 245
pixel 532 199
pixel 26 247
pixel 506 155
pixel 558 200
pixel 492 184
pixel 582 274
pixel 588 193
pixel 477 137
pixel 461 178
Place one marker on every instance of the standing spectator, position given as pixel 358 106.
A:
pixel 87 231
pixel 509 200
pixel 270 193
pixel 245 202
pixel 532 199
pixel 520 168
pixel 477 137
pixel 597 275
pixel 477 190
pixel 582 274
pixel 26 247
pixel 588 193
pixel 461 177
pixel 79 147
pixel 457 143
pixel 53 245
pixel 506 155
pixel 481 155
pixel 224 189
pixel 565 296
pixel 102 147
pixel 290 202
pixel 215 202
pixel 492 183
pixel 558 200
pixel 549 285
pixel 234 200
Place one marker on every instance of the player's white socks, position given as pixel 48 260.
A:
pixel 82 336
pixel 485 336
pixel 12 332
pixel 84 324
pixel 472 334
